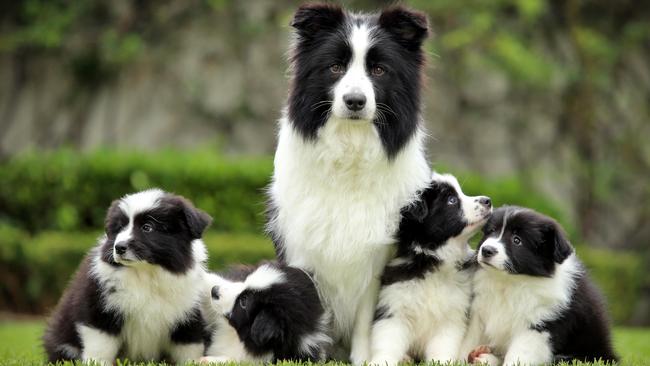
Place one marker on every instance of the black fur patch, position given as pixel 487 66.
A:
pixel 277 319
pixel 428 223
pixel 323 39
pixel 381 312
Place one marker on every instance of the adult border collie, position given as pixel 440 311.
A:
pixel 137 294
pixel 350 155
pixel 534 303
pixel 266 314
pixel 426 289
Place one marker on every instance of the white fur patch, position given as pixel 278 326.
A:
pixel 153 301
pixel 264 277
pixel 499 261
pixel 97 345
pixel 504 321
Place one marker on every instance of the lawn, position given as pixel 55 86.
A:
pixel 20 344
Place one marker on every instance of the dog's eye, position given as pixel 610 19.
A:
pixel 243 302
pixel 337 68
pixel 516 240
pixel 147 227
pixel 452 200
pixel 377 70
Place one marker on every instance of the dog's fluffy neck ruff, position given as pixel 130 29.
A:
pixel 338 199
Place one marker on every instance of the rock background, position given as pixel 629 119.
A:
pixel 554 93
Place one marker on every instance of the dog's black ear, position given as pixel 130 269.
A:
pixel 310 19
pixel 197 220
pixel 555 239
pixel 266 330
pixel 417 210
pixel 113 217
pixel 410 27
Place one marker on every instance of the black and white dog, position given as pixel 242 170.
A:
pixel 350 155
pixel 534 303
pixel 426 289
pixel 137 294
pixel 266 314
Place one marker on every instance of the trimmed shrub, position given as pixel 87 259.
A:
pixel 64 190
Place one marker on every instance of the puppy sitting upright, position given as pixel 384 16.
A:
pixel 534 303
pixel 265 314
pixel 137 293
pixel 426 290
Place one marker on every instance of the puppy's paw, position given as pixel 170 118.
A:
pixel 487 359
pixel 476 352
pixel 213 359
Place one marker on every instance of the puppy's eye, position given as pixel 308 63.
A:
pixel 452 200
pixel 516 240
pixel 337 68
pixel 377 70
pixel 243 302
pixel 147 227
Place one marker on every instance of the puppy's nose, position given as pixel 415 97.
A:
pixel 488 251
pixel 215 292
pixel 120 248
pixel 485 201
pixel 355 101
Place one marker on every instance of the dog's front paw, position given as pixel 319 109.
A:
pixel 476 352
pixel 487 359
pixel 359 356
pixel 213 359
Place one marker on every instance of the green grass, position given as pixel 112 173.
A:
pixel 20 344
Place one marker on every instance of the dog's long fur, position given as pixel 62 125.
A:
pixel 342 175
pixel 534 302
pixel 282 317
pixel 426 289
pixel 142 304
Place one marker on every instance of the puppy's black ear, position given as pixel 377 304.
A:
pixel 408 26
pixel 266 330
pixel 417 210
pixel 310 19
pixel 113 215
pixel 556 239
pixel 197 220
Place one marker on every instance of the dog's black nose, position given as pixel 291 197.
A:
pixel 355 101
pixel 120 248
pixel 485 201
pixel 488 251
pixel 215 292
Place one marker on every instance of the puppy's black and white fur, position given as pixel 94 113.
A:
pixel 426 289
pixel 137 294
pixel 350 155
pixel 265 314
pixel 534 303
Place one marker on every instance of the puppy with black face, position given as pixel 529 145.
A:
pixel 547 309
pixel 137 294
pixel 266 314
pixel 426 289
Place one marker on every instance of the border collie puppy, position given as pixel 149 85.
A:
pixel 137 294
pixel 534 303
pixel 266 314
pixel 426 289
pixel 350 155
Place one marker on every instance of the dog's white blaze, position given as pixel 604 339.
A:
pixel 98 346
pixel 504 321
pixel 499 260
pixel 135 203
pixel 152 300
pixel 356 77
pixel 338 202
pixel 264 277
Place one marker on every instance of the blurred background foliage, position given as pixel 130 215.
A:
pixel 542 103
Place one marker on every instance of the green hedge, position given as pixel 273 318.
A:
pixel 65 190
pixel 34 270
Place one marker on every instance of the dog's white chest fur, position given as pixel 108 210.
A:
pixel 152 301
pixel 338 201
